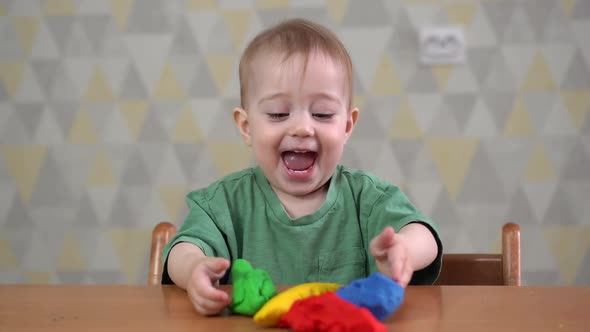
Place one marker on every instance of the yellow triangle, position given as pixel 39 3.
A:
pixel 168 86
pixel 172 197
pixel 120 10
pixel 229 157
pixel 452 157
pixel 539 166
pixel 134 113
pixel 539 76
pixel 70 257
pixel 405 125
pixel 7 259
pixel 98 89
pixel 578 105
pixel 102 171
pixel 519 123
pixel 441 74
pixel 132 248
pixel 11 74
pixel 201 4
pixel 569 244
pixel 220 67
pixel 186 130
pixel 26 28
pixel 337 9
pixel 83 131
pixel 60 7
pixel 272 4
pixel 37 277
pixel 568 7
pixel 386 82
pixel 461 13
pixel 237 22
pixel 23 163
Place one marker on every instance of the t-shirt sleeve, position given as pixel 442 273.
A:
pixel 201 229
pixel 394 209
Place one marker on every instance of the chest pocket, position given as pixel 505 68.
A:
pixel 343 266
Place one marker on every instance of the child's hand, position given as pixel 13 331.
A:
pixel 202 290
pixel 391 255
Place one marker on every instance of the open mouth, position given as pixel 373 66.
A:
pixel 299 161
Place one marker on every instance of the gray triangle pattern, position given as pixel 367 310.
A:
pixel 101 199
pixel 188 156
pixel 64 112
pixel 581 10
pixel 557 28
pixel 359 14
pixel 63 88
pixel 576 194
pixel 19 240
pixel 403 44
pixel 422 81
pixel 95 27
pixel 112 44
pixel 445 211
pixel 538 13
pixel 559 150
pixel 123 215
pixel 85 215
pixel 219 40
pixel 104 277
pixel 461 106
pixel 202 83
pixel 71 277
pixel 135 172
pixel 499 14
pixel 45 71
pixel 559 211
pixel 578 76
pixel 520 210
pixel 133 87
pixel 184 42
pixel 148 17
pixel 79 44
pixel 539 106
pixel 151 154
pixel 3 93
pixel 444 123
pixel 29 89
pixel 60 28
pixel 316 14
pixel 369 126
pixel 509 158
pixel 500 77
pixel 153 130
pixel 480 175
pixel 11 48
pixel 13 130
pixel 500 105
pixel 519 30
pixel 18 217
pixel 383 108
pixel 76 159
pixel 407 152
pixel 578 164
pixel 49 179
pixel 29 115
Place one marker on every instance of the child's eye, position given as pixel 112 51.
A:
pixel 323 116
pixel 278 116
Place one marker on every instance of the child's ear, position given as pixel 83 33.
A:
pixel 351 119
pixel 241 121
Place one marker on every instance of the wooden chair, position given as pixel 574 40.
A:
pixel 485 269
pixel 161 234
pixel 457 269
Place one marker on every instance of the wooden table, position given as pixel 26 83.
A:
pixel 166 308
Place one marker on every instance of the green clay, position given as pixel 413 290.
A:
pixel 252 288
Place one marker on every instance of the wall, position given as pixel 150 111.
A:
pixel 111 111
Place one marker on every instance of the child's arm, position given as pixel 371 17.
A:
pixel 399 255
pixel 190 269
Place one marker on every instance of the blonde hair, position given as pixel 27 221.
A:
pixel 295 37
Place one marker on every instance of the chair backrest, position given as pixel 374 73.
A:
pixel 161 234
pixel 457 269
pixel 486 269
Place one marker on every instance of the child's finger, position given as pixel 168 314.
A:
pixel 380 243
pixel 397 261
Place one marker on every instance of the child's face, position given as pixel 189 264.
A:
pixel 297 123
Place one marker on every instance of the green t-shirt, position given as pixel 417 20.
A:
pixel 240 216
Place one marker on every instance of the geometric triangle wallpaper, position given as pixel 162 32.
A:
pixel 112 111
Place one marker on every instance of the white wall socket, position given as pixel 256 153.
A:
pixel 442 45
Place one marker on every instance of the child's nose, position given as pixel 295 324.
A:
pixel 302 125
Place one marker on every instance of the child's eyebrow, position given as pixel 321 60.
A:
pixel 277 95
pixel 324 95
